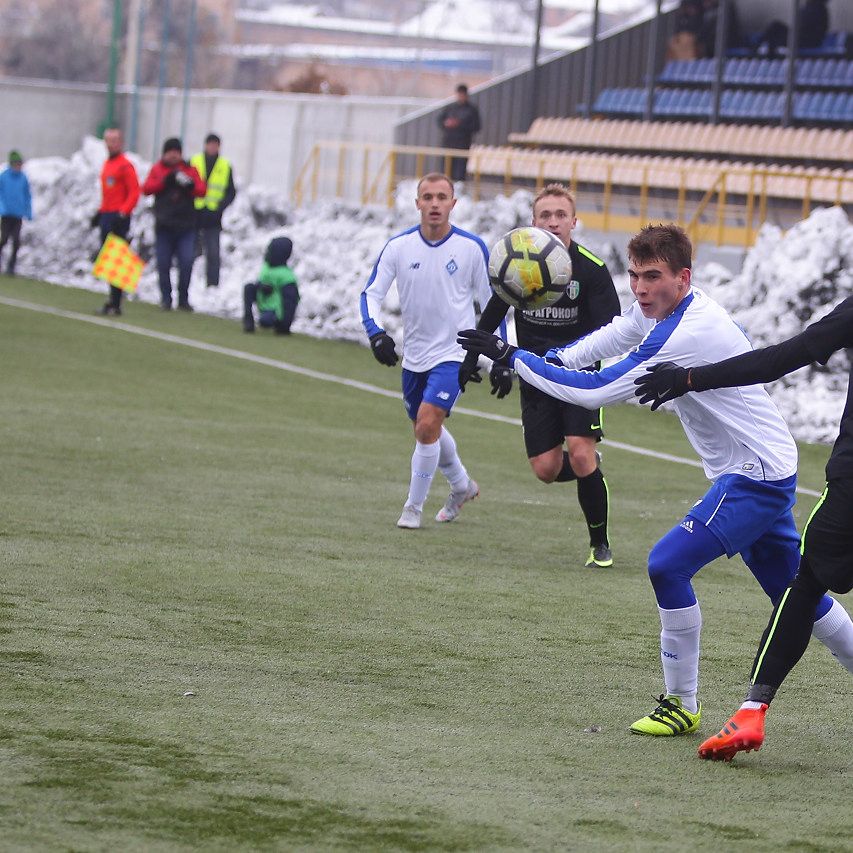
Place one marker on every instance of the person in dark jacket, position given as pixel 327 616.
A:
pixel 174 185
pixel 15 206
pixel 218 174
pixel 813 27
pixel 459 122
pixel 275 292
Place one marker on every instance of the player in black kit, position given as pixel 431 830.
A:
pixel 590 301
pixel 826 561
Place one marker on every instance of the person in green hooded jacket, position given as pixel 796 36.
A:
pixel 275 292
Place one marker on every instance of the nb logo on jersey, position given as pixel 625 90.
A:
pixel 687 524
pixel 747 466
pixel 451 266
pixel 670 655
pixel 415 266
pixel 443 395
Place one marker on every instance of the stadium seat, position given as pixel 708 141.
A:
pixel 834 44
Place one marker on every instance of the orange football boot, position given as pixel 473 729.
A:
pixel 742 733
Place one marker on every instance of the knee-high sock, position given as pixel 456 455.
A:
pixel 594 501
pixel 449 462
pixel 787 635
pixel 835 630
pixel 424 463
pixel 679 653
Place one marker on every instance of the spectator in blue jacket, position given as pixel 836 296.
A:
pixel 15 206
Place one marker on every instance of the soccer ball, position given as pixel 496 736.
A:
pixel 529 268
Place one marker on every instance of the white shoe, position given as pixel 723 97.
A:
pixel 410 518
pixel 455 500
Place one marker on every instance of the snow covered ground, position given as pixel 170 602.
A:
pixel 787 280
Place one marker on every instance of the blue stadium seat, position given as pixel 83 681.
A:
pixel 671 72
pixel 834 44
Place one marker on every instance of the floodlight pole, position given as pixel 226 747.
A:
pixel 188 67
pixel 136 35
pixel 161 78
pixel 111 86
pixel 720 48
pixel 790 65
pixel 534 70
pixel 651 63
pixel 589 70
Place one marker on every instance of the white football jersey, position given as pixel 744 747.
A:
pixel 734 430
pixel 437 284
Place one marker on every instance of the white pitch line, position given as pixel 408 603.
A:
pixel 323 377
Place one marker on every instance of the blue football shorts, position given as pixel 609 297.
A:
pixel 439 386
pixel 740 511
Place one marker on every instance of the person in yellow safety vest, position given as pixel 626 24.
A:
pixel 216 171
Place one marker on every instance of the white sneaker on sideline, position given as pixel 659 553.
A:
pixel 410 518
pixel 455 500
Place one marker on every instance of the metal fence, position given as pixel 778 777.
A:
pixel 717 203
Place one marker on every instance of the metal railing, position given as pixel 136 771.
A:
pixel 718 203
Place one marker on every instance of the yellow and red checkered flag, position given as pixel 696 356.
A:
pixel 118 264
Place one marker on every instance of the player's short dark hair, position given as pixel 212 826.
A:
pixel 462 89
pixel 434 176
pixel 557 191
pixel 667 243
pixel 212 137
pixel 172 144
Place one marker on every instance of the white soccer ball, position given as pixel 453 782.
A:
pixel 529 268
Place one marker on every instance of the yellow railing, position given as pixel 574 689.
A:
pixel 717 203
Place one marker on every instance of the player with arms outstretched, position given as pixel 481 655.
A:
pixel 746 450
pixel 826 561
pixel 440 271
pixel 590 301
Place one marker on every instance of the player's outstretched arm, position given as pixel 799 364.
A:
pixel 667 381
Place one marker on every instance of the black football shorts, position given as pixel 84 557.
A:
pixel 828 537
pixel 546 421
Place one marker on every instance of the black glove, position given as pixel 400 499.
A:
pixel 384 349
pixel 121 225
pixel 501 378
pixel 469 371
pixel 95 221
pixel 482 343
pixel 663 382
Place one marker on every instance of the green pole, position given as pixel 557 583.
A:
pixel 111 86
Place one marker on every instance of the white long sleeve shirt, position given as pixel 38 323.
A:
pixel 437 284
pixel 734 430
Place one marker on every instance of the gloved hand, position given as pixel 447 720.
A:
pixel 501 379
pixel 120 225
pixel 95 221
pixel 384 349
pixel 183 179
pixel 663 382
pixel 482 343
pixel 469 371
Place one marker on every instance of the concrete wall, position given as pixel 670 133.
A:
pixel 267 135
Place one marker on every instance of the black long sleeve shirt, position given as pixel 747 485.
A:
pixel 816 342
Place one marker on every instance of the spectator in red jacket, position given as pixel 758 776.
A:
pixel 174 184
pixel 119 195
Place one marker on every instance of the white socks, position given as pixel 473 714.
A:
pixel 679 653
pixel 424 463
pixel 835 630
pixel 449 462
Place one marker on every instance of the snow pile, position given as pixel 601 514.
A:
pixel 787 279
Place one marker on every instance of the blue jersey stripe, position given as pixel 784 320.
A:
pixel 583 379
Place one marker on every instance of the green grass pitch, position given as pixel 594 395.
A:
pixel 175 521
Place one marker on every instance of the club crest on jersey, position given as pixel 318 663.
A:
pixel 573 289
pixel 451 266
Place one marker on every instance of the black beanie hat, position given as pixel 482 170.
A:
pixel 172 144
